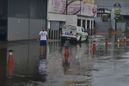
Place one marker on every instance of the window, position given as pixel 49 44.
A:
pixel 88 24
pixel 83 23
pixel 78 22
pixel 105 17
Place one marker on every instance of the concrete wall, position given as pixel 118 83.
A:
pixel 35 27
pixel 25 18
pixel 23 29
pixel 17 29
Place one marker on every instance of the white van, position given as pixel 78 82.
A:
pixel 73 33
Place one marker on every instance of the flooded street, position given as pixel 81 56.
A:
pixel 27 67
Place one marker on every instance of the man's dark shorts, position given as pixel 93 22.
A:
pixel 43 42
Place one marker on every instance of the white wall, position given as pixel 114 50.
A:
pixel 56 17
pixel 71 20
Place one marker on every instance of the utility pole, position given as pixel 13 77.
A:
pixel 115 29
pixel 117 10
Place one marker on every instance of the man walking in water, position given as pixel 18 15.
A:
pixel 43 41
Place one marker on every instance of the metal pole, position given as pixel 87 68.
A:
pixel 117 11
pixel 115 30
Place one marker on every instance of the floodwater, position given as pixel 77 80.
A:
pixel 73 65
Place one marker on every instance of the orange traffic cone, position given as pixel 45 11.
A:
pixel 66 54
pixel 10 63
pixel 94 47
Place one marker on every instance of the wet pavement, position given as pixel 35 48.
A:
pixel 27 67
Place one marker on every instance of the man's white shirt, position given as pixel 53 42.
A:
pixel 43 35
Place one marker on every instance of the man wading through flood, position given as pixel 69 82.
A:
pixel 43 41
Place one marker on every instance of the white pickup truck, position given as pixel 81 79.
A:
pixel 73 33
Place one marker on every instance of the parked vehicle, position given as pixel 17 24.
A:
pixel 73 33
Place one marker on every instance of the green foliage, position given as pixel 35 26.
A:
pixel 119 18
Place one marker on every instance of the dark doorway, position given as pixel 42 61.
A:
pixel 3 20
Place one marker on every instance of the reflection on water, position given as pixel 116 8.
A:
pixel 10 64
pixel 53 46
pixel 42 68
pixel 79 60
pixel 79 65
pixel 30 66
pixel 3 66
pixel 24 64
pixel 66 57
pixel 25 59
pixel 66 66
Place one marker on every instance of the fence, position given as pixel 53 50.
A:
pixel 54 34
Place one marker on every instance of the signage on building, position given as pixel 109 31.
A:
pixel 103 11
pixel 83 7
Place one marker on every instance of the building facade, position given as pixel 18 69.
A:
pixel 70 12
pixel 21 19
pixel 109 4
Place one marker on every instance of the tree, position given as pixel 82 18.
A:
pixel 119 18
pixel 68 3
